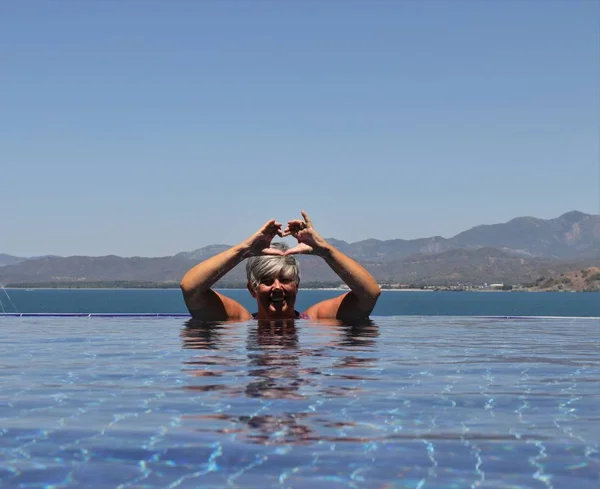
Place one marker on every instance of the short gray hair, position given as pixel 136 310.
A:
pixel 261 267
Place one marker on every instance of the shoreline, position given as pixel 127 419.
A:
pixel 332 289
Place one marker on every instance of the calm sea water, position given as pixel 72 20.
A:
pixel 390 304
pixel 403 402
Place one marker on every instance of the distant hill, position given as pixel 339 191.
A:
pixel 583 280
pixel 202 253
pixel 13 260
pixel 101 268
pixel 517 251
pixel 10 260
pixel 570 236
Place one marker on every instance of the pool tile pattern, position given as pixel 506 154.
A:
pixel 401 402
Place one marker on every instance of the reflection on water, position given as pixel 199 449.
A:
pixel 202 335
pixel 278 366
pixel 273 361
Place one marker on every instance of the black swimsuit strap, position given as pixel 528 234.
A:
pixel 297 315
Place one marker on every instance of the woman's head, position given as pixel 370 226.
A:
pixel 259 268
pixel 273 281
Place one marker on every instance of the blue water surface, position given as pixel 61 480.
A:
pixel 391 303
pixel 402 402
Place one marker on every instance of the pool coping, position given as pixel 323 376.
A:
pixel 183 315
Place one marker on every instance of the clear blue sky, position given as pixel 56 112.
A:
pixel 152 127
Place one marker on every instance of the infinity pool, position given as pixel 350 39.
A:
pixel 403 402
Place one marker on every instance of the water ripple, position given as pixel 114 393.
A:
pixel 397 402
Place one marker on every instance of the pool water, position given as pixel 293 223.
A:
pixel 402 402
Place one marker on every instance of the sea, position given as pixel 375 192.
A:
pixel 391 303
pixel 439 390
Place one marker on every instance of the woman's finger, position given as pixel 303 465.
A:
pixel 272 251
pixel 306 219
pixel 301 249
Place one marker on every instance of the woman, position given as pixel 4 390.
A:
pixel 274 276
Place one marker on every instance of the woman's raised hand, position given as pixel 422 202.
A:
pixel 309 241
pixel 260 242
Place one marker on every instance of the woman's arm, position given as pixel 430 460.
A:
pixel 206 304
pixel 364 290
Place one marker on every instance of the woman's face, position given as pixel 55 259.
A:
pixel 275 296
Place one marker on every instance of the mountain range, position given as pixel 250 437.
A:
pixel 517 251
